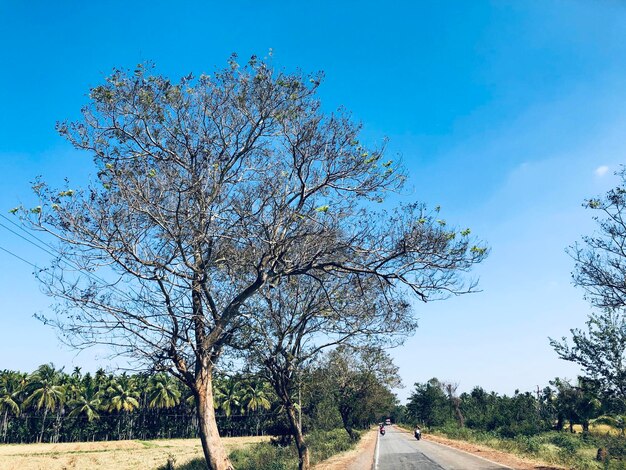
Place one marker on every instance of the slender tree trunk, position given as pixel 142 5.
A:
pixel 43 424
pixel 559 423
pixel 345 413
pixel 131 423
pixel 296 431
pixel 214 451
pixel 5 425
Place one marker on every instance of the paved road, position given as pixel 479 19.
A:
pixel 398 450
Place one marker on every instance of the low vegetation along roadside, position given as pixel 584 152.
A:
pixel 272 456
pixel 598 449
pixel 179 454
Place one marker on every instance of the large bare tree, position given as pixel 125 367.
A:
pixel 209 189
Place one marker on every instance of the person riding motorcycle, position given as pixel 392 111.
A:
pixel 417 433
pixel 382 429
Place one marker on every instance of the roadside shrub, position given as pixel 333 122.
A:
pixel 567 443
pixel 453 431
pixel 325 444
pixel 616 447
pixel 271 456
pixel 531 445
pixel 264 456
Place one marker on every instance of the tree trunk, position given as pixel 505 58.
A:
pixel 345 421
pixel 296 431
pixel 456 405
pixel 5 425
pixel 559 423
pixel 43 424
pixel 212 446
pixel 351 433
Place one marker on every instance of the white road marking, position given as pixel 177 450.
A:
pixel 377 446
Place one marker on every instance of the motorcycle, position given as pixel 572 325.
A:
pixel 418 434
pixel 382 431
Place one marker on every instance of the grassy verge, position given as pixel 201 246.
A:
pixel 267 456
pixel 573 451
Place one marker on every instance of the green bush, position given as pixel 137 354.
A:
pixel 616 447
pixel 530 445
pixel 567 443
pixel 273 456
pixel 265 456
pixel 325 444
pixel 453 431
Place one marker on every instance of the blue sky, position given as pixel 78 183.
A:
pixel 507 114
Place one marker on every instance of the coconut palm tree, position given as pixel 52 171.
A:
pixel 86 402
pixel 255 396
pixel 162 392
pixel 123 395
pixel 124 398
pixel 11 388
pixel 228 396
pixel 45 392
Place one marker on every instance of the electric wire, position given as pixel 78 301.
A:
pixel 58 254
pixel 19 257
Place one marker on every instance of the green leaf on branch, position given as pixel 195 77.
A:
pixel 478 250
pixel 594 203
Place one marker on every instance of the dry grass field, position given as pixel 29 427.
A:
pixel 112 455
pixel 596 429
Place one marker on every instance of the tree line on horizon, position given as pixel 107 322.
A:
pixel 560 406
pixel 50 405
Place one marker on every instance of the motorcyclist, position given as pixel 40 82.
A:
pixel 381 429
pixel 417 432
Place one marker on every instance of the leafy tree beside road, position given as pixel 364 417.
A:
pixel 600 350
pixel 360 381
pixel 601 271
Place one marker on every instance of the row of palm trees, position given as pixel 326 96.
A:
pixel 49 405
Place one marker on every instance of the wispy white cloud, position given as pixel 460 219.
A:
pixel 601 170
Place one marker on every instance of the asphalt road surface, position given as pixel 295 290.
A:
pixel 398 450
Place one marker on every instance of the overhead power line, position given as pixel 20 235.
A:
pixel 46 247
pixel 19 257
